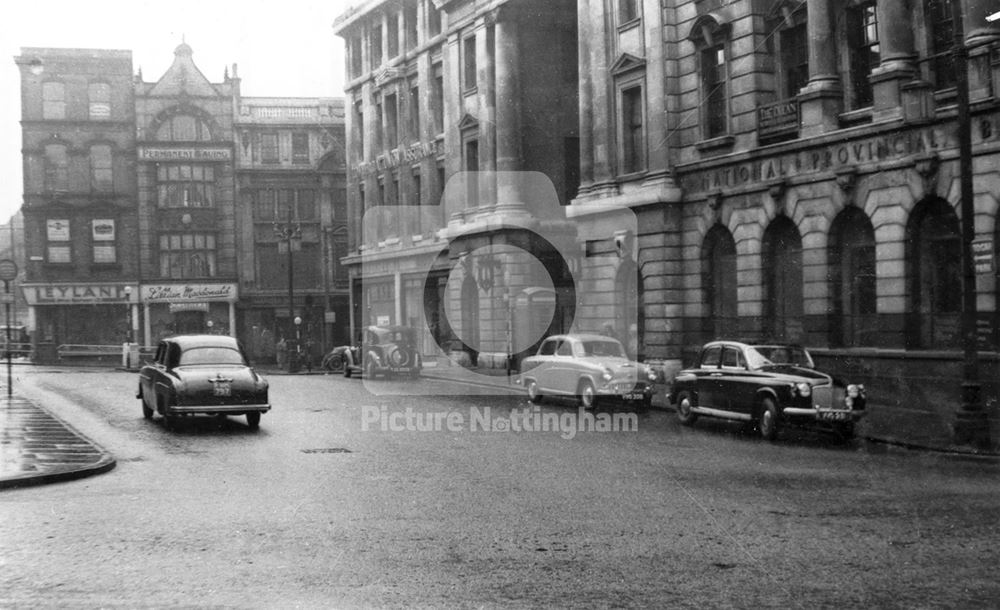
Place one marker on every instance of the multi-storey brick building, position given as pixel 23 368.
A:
pixel 80 220
pixel 135 224
pixel 437 90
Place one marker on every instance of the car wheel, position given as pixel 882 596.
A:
pixel 147 413
pixel 335 364
pixel 684 409
pixel 253 420
pixel 767 421
pixel 585 394
pixel 534 394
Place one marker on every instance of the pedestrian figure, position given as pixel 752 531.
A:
pixel 282 352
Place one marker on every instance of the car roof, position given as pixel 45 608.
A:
pixel 583 337
pixel 189 341
pixel 743 344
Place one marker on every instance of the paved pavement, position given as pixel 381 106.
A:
pixel 37 447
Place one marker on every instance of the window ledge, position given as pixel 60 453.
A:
pixel 628 25
pixel 715 144
pixel 856 117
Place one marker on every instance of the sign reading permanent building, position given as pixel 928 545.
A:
pixel 164 153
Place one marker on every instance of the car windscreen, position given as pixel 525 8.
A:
pixel 766 355
pixel 210 355
pixel 603 348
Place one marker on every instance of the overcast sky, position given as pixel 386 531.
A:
pixel 284 48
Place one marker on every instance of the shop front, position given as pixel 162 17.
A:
pixel 187 308
pixel 81 314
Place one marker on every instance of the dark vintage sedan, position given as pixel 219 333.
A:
pixel 201 374
pixel 383 350
pixel 589 367
pixel 767 386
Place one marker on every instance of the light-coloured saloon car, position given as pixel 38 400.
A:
pixel 589 367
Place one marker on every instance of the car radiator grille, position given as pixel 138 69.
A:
pixel 627 386
pixel 829 397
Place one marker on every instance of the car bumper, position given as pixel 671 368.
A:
pixel 640 392
pixel 216 409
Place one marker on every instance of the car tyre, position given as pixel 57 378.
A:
pixel 335 364
pixel 253 420
pixel 767 420
pixel 147 413
pixel 534 394
pixel 585 394
pixel 684 409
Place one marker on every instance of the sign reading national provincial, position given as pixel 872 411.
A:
pixel 170 153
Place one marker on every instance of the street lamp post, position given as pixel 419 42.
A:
pixel 128 315
pixel 971 422
pixel 298 341
pixel 289 236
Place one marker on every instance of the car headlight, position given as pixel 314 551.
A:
pixel 606 375
pixel 803 389
pixel 651 375
pixel 853 391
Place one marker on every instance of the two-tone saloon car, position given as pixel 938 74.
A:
pixel 201 374
pixel 589 367
pixel 766 386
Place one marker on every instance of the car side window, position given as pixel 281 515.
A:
pixel 158 358
pixel 565 348
pixel 548 348
pixel 732 359
pixel 710 357
pixel 173 355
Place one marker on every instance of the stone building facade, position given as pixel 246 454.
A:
pixel 795 173
pixel 444 117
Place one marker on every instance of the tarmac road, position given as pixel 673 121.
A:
pixel 323 508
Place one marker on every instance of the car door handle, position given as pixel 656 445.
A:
pixel 715 374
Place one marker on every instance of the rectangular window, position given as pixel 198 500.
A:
pixel 375 46
pixel 379 122
pixel 862 33
pixel 437 100
pixel 392 35
pixel 414 111
pixel 471 165
pixel 99 97
pixel 795 58
pixel 469 63
pixel 433 20
pixel 100 168
pixel 415 200
pixel 269 148
pixel 713 66
pixel 185 186
pixel 53 101
pixel 300 148
pixel 355 52
pixel 942 29
pixel 359 129
pixel 410 21
pixel 58 249
pixel 391 121
pixel 633 136
pixel 104 250
pixel 56 168
pixel 187 255
pixel 305 205
pixel 264 206
pixel 628 10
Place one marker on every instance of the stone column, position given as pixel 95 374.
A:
pixel 897 65
pixel 821 100
pixel 486 93
pixel 602 125
pixel 508 112
pixel 979 35
pixel 585 39
pixel 658 160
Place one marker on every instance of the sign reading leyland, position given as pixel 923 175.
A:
pixel 893 145
pixel 164 153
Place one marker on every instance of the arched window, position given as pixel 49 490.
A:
pixel 852 280
pixel 782 254
pixel 183 128
pixel 718 255
pixel 933 252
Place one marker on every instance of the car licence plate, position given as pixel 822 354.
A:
pixel 223 389
pixel 834 415
pixel 634 396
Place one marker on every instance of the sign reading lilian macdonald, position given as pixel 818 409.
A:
pixel 173 293
pixel 895 145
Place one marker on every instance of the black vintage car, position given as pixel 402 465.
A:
pixel 206 374
pixel 383 350
pixel 766 386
